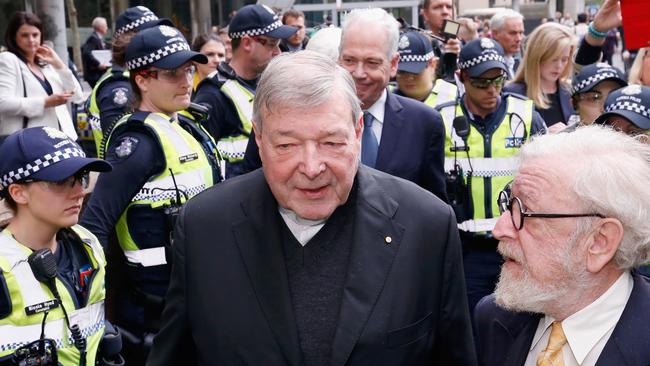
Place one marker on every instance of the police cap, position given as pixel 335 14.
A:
pixel 43 153
pixel 481 55
pixel 629 102
pixel 415 52
pixel 161 46
pixel 592 75
pixel 136 19
pixel 258 20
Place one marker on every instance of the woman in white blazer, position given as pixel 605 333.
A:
pixel 35 85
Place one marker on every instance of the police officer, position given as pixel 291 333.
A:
pixel 626 110
pixel 484 130
pixel 591 86
pixel 43 174
pixel 110 96
pixel 256 32
pixel 416 72
pixel 160 161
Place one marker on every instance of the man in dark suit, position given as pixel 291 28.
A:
pixel 407 137
pixel 93 69
pixel 571 238
pixel 314 259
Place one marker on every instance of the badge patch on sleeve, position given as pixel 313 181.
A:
pixel 120 96
pixel 126 146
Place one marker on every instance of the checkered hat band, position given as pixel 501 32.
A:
pixel 593 79
pixel 157 55
pixel 258 31
pixel 136 23
pixel 416 58
pixel 480 59
pixel 628 106
pixel 38 164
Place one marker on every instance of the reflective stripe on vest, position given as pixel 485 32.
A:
pixel 147 257
pixel 442 92
pixel 191 170
pixel 18 328
pixel 492 165
pixel 232 148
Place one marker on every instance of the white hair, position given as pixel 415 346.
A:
pixel 319 79
pixel 98 22
pixel 498 20
pixel 610 172
pixel 326 41
pixel 376 16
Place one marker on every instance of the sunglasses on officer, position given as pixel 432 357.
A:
pixel 592 97
pixel 63 185
pixel 169 75
pixel 512 204
pixel 484 83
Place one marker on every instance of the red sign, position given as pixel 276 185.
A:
pixel 636 23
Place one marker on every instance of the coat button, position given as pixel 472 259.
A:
pixel 388 239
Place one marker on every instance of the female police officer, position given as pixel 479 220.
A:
pixel 43 174
pixel 158 165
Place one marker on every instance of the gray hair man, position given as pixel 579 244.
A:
pixel 304 270
pixel 92 67
pixel 403 137
pixel 572 233
pixel 508 29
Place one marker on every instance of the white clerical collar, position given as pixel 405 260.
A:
pixel 302 229
pixel 379 107
pixel 585 328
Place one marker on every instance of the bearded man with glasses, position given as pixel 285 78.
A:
pixel 573 233
pixel 484 129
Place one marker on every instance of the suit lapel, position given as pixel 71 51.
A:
pixel 260 242
pixel 376 241
pixel 391 130
pixel 518 351
pixel 631 331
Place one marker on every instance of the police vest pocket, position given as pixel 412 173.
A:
pixel 410 333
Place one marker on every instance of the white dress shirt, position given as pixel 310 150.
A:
pixel 377 110
pixel 588 330
pixel 303 230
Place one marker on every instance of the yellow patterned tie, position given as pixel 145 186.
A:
pixel 552 355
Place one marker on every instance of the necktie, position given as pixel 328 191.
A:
pixel 552 355
pixel 369 145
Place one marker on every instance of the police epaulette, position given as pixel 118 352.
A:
pixel 516 95
pixel 446 104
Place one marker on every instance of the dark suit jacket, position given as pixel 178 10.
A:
pixel 504 337
pixel 412 145
pixel 92 73
pixel 403 301
pixel 565 98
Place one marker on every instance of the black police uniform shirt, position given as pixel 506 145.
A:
pixel 489 124
pixel 224 119
pixel 113 99
pixel 136 156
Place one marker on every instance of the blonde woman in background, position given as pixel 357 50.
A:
pixel 544 73
pixel 640 70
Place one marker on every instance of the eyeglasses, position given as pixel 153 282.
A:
pixel 594 97
pixel 513 205
pixel 169 75
pixel 61 186
pixel 484 83
pixel 268 43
